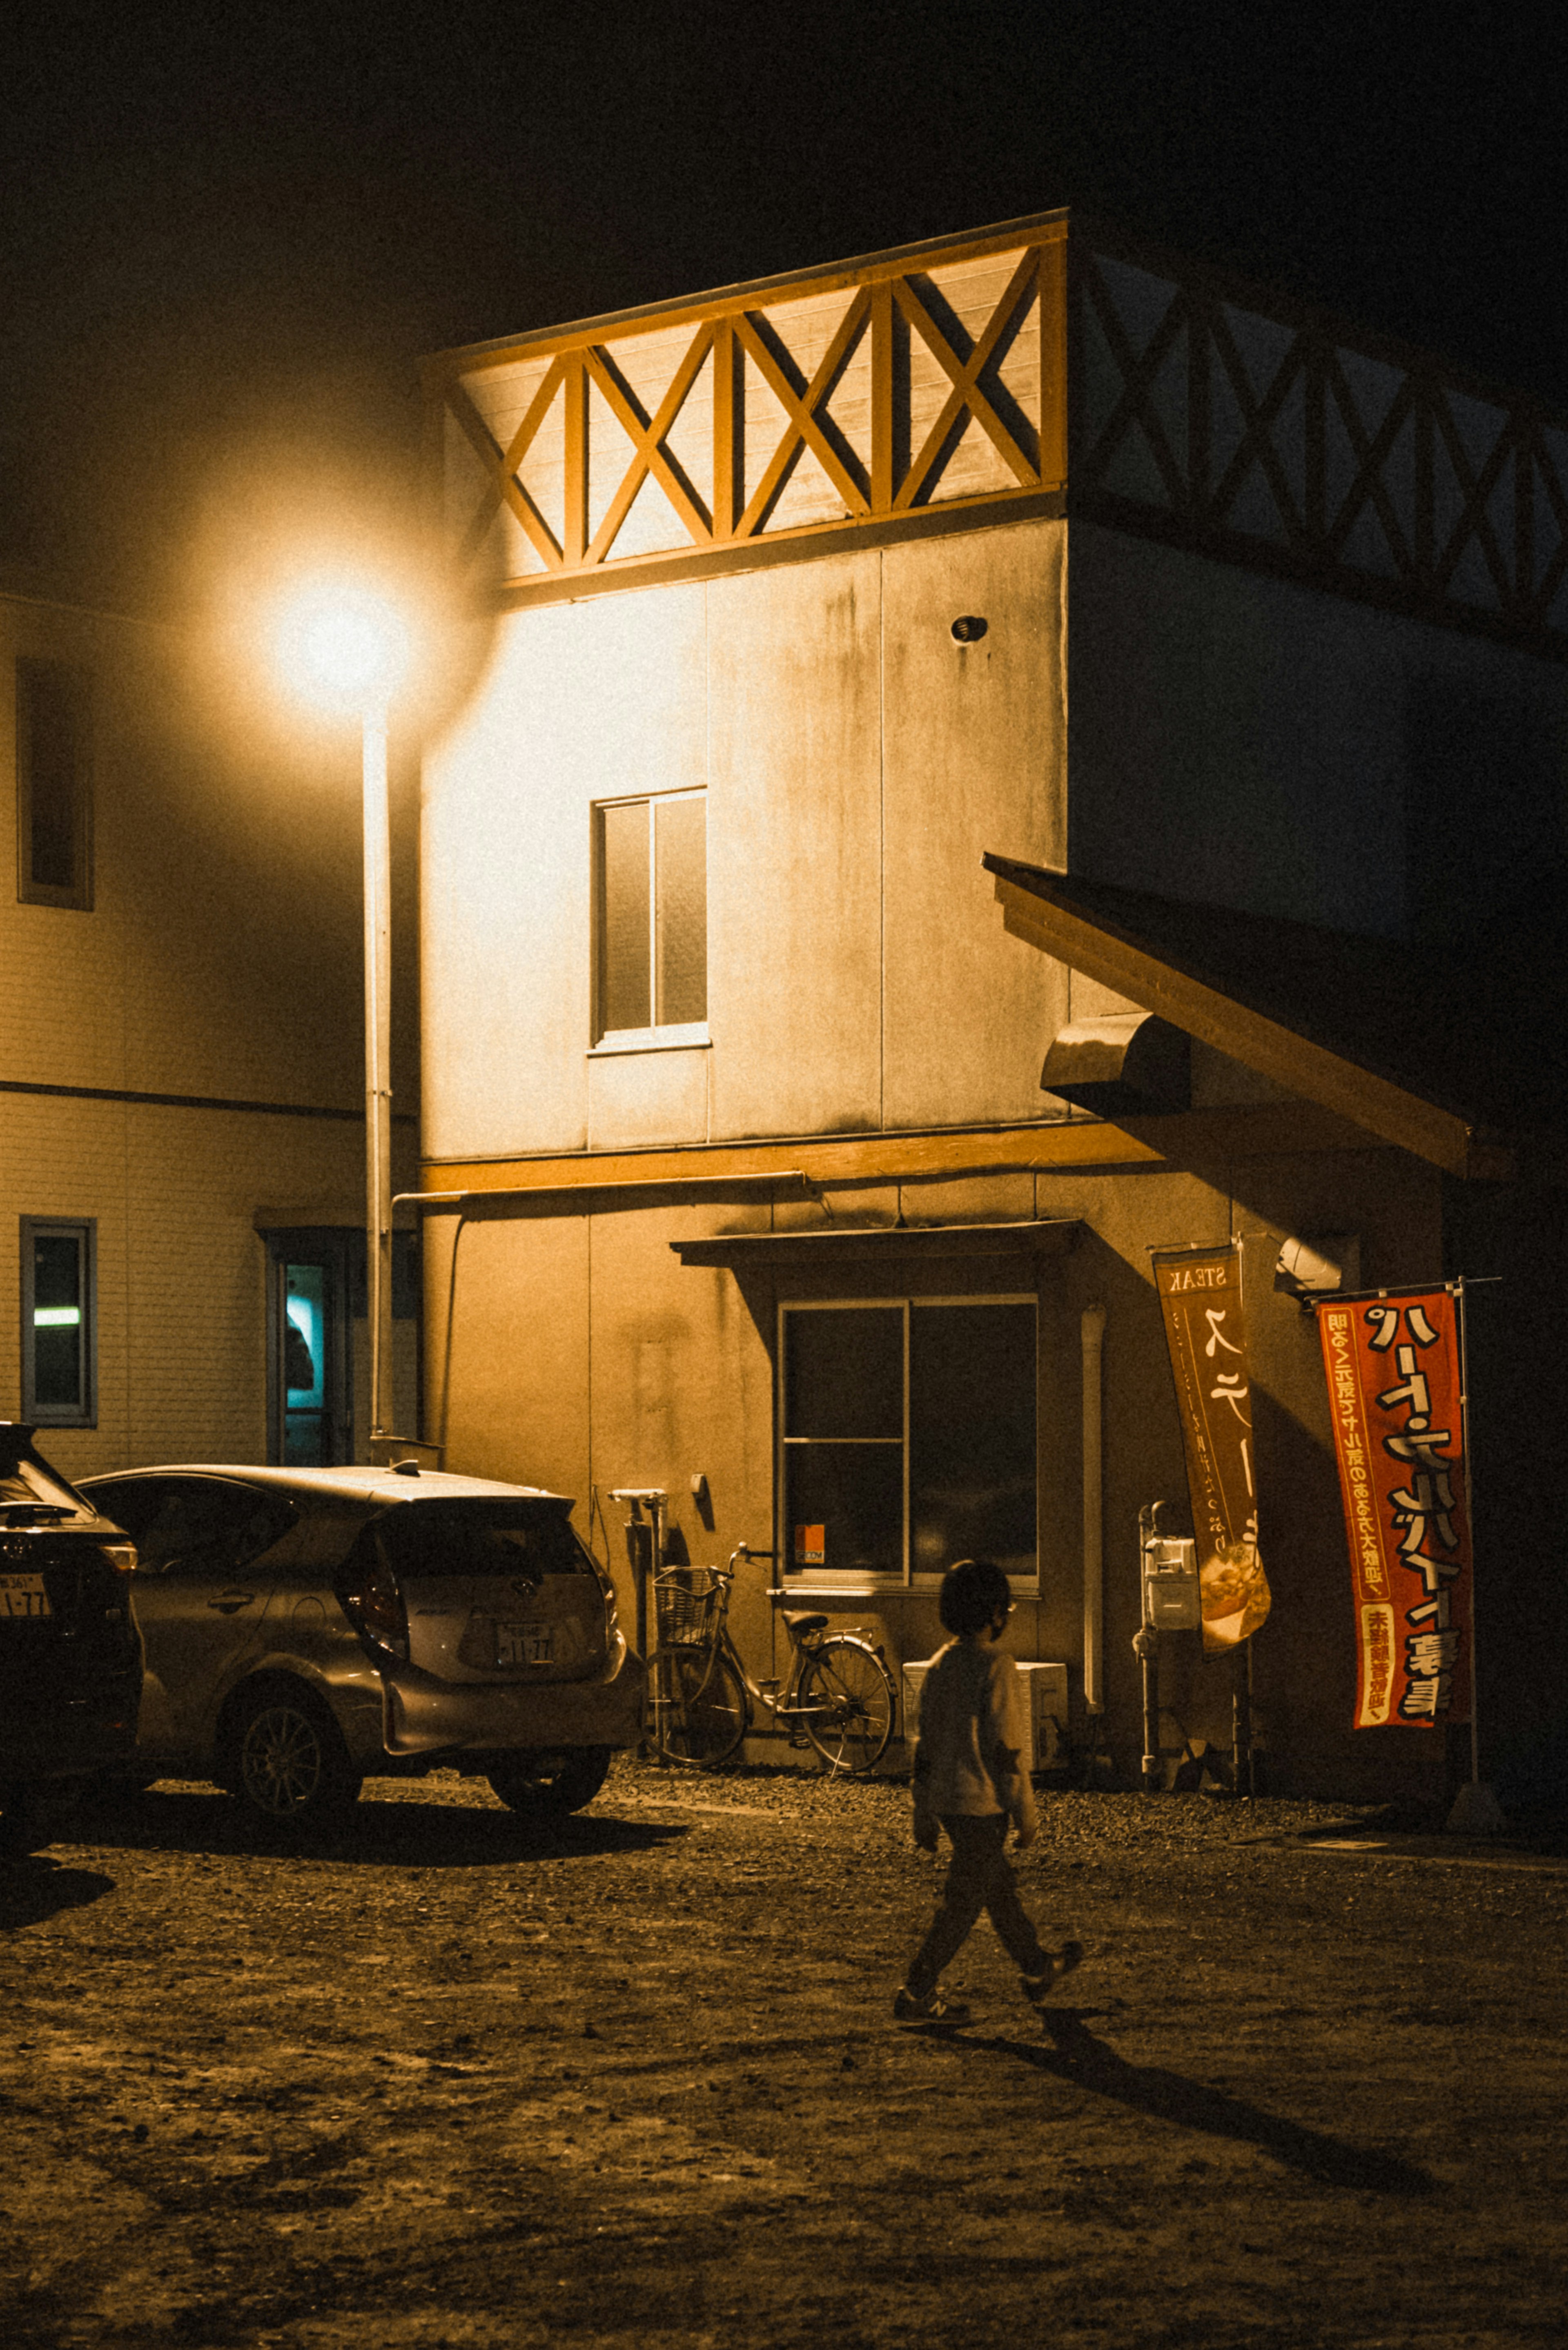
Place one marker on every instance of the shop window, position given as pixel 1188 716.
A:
pixel 54 796
pixel 59 1318
pixel 651 860
pixel 909 1437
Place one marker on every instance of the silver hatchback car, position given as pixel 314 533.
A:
pixel 305 1628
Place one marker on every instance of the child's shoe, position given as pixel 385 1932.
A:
pixel 1037 1988
pixel 909 2008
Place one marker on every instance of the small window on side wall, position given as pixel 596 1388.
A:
pixel 59 1323
pixel 54 784
pixel 650 860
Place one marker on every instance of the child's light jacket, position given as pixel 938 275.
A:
pixel 972 1758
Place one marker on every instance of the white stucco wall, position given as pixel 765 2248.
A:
pixel 857 761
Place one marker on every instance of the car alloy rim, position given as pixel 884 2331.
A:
pixel 282 1760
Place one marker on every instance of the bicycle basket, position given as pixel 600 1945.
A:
pixel 686 1601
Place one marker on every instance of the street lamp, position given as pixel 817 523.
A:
pixel 346 649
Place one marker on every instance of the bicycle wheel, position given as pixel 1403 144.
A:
pixel 700 1713
pixel 846 1701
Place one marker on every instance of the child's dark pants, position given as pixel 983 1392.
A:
pixel 978 1877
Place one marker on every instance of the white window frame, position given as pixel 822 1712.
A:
pixel 908 1580
pixel 673 1036
pixel 83 1230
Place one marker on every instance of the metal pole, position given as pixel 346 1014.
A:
pixel 1458 1289
pixel 377 1068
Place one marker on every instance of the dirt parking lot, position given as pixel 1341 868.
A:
pixel 444 2082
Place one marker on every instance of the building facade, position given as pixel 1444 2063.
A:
pixel 799 600
pixel 182 1166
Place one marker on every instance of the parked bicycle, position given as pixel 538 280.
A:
pixel 838 1692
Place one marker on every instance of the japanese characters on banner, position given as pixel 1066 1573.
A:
pixel 1200 1298
pixel 1393 1389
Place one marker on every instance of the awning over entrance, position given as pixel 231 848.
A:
pixel 1449 1055
pixel 883 1243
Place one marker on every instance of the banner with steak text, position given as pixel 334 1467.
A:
pixel 1395 1402
pixel 1200 1299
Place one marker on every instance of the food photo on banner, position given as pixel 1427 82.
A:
pixel 1205 1332
pixel 1394 1362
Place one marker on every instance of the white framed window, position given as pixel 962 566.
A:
pixel 59 1323
pixel 908 1437
pixel 54 784
pixel 650 921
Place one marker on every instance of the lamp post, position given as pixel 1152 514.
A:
pixel 346 650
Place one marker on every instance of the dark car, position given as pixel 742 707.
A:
pixel 70 1658
pixel 306 1628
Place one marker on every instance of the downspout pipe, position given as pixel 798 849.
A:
pixel 1092 1333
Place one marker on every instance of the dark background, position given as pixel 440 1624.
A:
pixel 228 233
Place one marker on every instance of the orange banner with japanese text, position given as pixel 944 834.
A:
pixel 1200 1300
pixel 1395 1402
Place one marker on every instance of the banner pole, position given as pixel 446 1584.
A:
pixel 1464 1321
pixel 1475 1811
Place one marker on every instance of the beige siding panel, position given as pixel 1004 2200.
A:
pixel 793 849
pixel 682 1379
pixel 638 1098
pixel 580 702
pixel 517 1355
pixel 975 756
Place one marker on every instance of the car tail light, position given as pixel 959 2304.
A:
pixel 121 1555
pixel 374 1605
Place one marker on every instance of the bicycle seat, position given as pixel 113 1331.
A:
pixel 798 1621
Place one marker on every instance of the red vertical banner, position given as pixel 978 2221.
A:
pixel 1200 1300
pixel 1395 1402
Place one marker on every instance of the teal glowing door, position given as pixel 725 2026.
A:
pixel 309 1420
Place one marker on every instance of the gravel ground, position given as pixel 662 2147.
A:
pixel 443 2081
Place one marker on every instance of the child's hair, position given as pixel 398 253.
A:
pixel 972 1594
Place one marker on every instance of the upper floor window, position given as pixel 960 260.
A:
pixel 651 858
pixel 54 793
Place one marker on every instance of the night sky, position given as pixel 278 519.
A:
pixel 228 231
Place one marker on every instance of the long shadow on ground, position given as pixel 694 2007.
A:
pixel 406 1833
pixel 1075 2055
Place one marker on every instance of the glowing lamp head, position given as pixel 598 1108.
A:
pixel 342 646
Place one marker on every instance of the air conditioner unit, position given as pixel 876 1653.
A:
pixel 1046 1699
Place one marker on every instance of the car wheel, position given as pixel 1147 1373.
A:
pixel 286 1761
pixel 547 1787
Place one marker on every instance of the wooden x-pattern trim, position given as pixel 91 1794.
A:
pixel 647 437
pixel 1371 452
pixel 1258 418
pixel 1476 488
pixel 1137 373
pixel 1518 525
pixel 501 464
pixel 1551 577
pixel 964 376
pixel 804 428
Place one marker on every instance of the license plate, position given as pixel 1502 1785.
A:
pixel 525 1644
pixel 24 1594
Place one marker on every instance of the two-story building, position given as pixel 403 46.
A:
pixel 181 1087
pixel 1223 632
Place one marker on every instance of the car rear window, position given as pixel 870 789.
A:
pixel 449 1538
pixel 23 1483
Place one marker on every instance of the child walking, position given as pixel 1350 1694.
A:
pixel 968 1777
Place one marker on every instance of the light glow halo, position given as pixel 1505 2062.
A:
pixel 340 645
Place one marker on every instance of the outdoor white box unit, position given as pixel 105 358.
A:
pixel 1045 1689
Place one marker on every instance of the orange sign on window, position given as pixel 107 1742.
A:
pixel 811 1545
